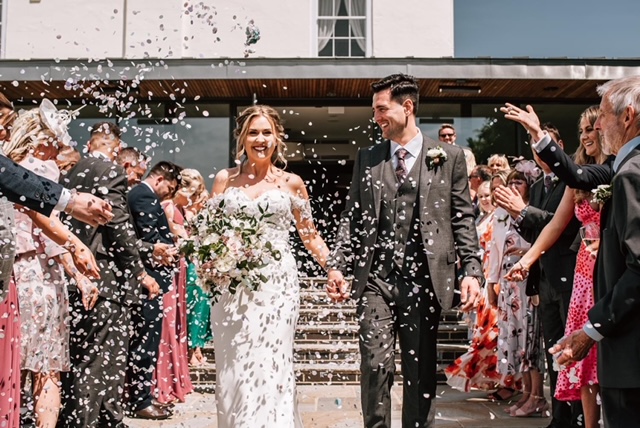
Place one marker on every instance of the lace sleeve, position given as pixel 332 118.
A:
pixel 301 205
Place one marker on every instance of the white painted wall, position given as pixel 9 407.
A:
pixel 63 29
pixel 417 28
pixel 69 29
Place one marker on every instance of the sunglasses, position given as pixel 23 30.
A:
pixel 446 135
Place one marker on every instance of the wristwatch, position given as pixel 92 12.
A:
pixel 521 216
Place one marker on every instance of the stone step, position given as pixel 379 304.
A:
pixel 204 377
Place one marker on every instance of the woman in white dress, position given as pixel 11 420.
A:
pixel 253 331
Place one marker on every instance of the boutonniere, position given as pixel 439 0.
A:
pixel 601 194
pixel 436 157
pixel 554 179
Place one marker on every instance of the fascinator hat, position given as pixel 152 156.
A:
pixel 37 126
pixel 529 169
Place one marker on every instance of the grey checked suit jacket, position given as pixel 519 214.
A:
pixel 446 220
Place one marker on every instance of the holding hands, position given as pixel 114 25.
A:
pixel 469 293
pixel 337 286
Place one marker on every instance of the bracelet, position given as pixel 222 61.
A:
pixel 72 202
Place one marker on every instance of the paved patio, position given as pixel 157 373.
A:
pixel 339 407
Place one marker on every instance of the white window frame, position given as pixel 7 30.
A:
pixel 315 18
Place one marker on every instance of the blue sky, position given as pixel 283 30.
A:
pixel 547 28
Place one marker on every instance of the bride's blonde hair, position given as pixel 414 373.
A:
pixel 242 129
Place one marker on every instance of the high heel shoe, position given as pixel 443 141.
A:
pixel 511 409
pixel 540 409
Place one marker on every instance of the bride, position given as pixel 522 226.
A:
pixel 253 331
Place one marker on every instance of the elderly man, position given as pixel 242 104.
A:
pixel 447 134
pixel 614 318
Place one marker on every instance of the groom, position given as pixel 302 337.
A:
pixel 408 220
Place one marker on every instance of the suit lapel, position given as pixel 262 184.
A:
pixel 547 196
pixel 427 173
pixel 379 155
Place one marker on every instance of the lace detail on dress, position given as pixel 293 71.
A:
pixel 303 206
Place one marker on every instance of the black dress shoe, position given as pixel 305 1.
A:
pixel 156 403
pixel 152 412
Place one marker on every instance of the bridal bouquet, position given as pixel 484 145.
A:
pixel 229 248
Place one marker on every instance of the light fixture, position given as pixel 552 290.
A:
pixel 460 89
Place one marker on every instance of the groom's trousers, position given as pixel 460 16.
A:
pixel 403 307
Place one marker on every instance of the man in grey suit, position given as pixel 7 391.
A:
pixel 408 220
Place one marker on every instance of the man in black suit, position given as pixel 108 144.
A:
pixel 152 228
pixel 100 337
pixel 408 219
pixel 556 267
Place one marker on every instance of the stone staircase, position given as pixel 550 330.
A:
pixel 326 345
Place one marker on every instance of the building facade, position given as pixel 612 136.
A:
pixel 175 73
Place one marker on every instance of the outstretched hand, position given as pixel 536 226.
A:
pixel 89 209
pixel 527 118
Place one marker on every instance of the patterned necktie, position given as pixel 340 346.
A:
pixel 547 183
pixel 401 169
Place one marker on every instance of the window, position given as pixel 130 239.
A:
pixel 342 28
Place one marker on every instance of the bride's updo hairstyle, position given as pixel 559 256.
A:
pixel 242 129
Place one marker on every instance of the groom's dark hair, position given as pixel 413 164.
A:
pixel 402 87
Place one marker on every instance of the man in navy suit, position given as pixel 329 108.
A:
pixel 152 227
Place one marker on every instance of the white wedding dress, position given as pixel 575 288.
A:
pixel 253 331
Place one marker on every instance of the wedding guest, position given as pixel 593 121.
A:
pixel 173 381
pixel 554 272
pixel 579 381
pixel 477 367
pixel 42 196
pixel 67 158
pixel 480 174
pixel 614 316
pixel 37 136
pixel 447 134
pixel 520 351
pixel 134 163
pixel 100 337
pixel 152 229
pixel 498 163
pixel 402 236
pixel 191 196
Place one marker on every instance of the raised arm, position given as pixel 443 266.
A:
pixel 549 235
pixel 584 177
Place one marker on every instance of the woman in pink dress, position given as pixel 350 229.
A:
pixel 578 381
pixel 172 374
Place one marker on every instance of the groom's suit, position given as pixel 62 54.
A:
pixel 403 241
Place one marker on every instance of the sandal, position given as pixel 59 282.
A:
pixel 502 394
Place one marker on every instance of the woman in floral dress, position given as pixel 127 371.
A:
pixel 477 367
pixel 520 350
pixel 578 381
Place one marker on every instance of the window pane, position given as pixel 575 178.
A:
pixel 342 28
pixel 342 47
pixel 327 50
pixel 343 9
pixel 356 7
pixel 327 7
pixel 355 48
